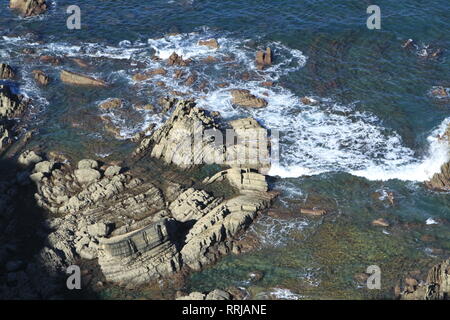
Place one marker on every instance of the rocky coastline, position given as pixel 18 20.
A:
pixel 147 219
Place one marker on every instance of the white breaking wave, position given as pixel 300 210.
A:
pixel 419 170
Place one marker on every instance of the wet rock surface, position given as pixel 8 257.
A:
pixel 188 138
pixel 80 79
pixel 29 7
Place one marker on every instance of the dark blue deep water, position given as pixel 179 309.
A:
pixel 372 132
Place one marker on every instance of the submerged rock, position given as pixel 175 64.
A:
pixel 80 79
pixel 189 125
pixel 5 137
pixel 85 176
pixel 112 103
pixel 441 181
pixel 28 7
pixel 176 60
pixel 6 72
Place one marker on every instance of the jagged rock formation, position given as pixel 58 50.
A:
pixel 211 43
pixel 263 58
pixel 174 141
pixel 436 287
pixel 6 72
pixel 441 181
pixel 80 79
pixel 11 105
pixel 41 78
pixel 192 137
pixel 28 7
pixel 176 60
pixel 112 103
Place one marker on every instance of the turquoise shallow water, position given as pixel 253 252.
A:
pixel 376 119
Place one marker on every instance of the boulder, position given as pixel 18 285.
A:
pixel 80 79
pixel 50 59
pixel 88 164
pixel 263 58
pixel 44 167
pixel 309 101
pixel 244 98
pixel 28 158
pixel 112 171
pixel 211 43
pixel 218 295
pixel 6 72
pixel 148 74
pixel 41 78
pixel 85 176
pixel 441 181
pixel 193 296
pixel 176 60
pixel 28 7
pixel 172 141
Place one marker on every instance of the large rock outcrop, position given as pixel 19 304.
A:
pixel 193 137
pixel 179 141
pixel 28 7
pixel 6 72
pixel 138 232
pixel 436 286
pixel 11 105
pixel 441 181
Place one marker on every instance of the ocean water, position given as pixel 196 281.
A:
pixel 373 130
